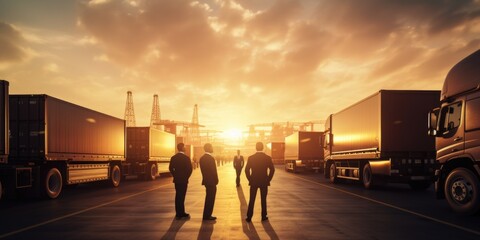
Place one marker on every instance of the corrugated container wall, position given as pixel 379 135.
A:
pixel 43 127
pixel 149 144
pixel 4 146
pixel 304 146
pixel 390 120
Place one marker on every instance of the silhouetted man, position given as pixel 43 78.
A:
pixel 238 164
pixel 181 168
pixel 256 172
pixel 210 180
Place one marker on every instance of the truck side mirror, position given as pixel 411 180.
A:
pixel 433 122
pixel 327 140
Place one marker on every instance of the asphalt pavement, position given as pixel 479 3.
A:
pixel 300 206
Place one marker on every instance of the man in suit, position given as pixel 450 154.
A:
pixel 181 168
pixel 210 180
pixel 238 164
pixel 256 172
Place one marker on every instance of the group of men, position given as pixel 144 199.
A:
pixel 259 171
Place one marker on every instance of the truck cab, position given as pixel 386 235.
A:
pixel 456 126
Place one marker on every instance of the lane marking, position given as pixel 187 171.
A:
pixel 393 206
pixel 80 212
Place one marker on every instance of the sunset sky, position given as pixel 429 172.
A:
pixel 241 61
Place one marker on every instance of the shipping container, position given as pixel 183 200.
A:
pixel 4 124
pixel 303 151
pixel 277 152
pixel 4 141
pixel 55 143
pixel 382 138
pixel 148 152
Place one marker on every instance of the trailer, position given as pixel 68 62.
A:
pixel 303 151
pixel 148 152
pixel 4 141
pixel 382 138
pixel 55 143
pixel 277 152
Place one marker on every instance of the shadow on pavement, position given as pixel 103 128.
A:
pixel 206 230
pixel 248 228
pixel 174 228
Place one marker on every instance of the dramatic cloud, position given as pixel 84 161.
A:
pixel 243 61
pixel 11 42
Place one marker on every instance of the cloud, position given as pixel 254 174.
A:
pixel 11 42
pixel 263 60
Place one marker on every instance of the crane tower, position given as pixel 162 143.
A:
pixel 129 112
pixel 155 113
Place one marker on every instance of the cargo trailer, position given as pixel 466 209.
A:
pixel 277 152
pixel 382 138
pixel 55 143
pixel 303 151
pixel 4 139
pixel 148 152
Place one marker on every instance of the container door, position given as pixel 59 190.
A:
pixel 450 141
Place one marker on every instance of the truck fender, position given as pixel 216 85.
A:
pixel 381 167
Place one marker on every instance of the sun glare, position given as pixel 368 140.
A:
pixel 232 136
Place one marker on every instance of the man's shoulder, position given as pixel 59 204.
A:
pixel 259 155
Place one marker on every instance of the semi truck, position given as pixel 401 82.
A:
pixel 303 151
pixel 382 139
pixel 148 152
pixel 455 123
pixel 49 143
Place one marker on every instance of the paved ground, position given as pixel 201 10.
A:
pixel 300 206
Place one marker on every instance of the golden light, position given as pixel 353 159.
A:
pixel 232 136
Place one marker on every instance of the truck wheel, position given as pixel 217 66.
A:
pixel 53 183
pixel 367 176
pixel 152 173
pixel 462 191
pixel 333 173
pixel 420 185
pixel 115 176
pixel 294 167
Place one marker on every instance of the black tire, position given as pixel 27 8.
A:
pixel 420 185
pixel 52 185
pixel 333 173
pixel 462 191
pixel 152 172
pixel 115 175
pixel 294 167
pixel 367 176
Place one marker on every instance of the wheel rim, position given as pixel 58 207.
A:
pixel 332 172
pixel 153 171
pixel 53 183
pixel 116 175
pixel 461 190
pixel 367 176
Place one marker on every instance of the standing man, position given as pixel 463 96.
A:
pixel 210 180
pixel 256 172
pixel 238 164
pixel 181 168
